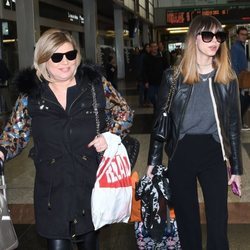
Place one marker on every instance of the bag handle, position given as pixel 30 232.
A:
pixel 97 120
pixel 3 184
pixel 171 93
pixel 1 167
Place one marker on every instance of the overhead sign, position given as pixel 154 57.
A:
pixel 51 11
pixel 60 14
pixel 228 14
pixel 73 17
pixel 9 4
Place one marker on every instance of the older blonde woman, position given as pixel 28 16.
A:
pixel 56 102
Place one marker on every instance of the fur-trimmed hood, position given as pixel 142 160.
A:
pixel 28 83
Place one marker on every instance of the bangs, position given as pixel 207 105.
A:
pixel 207 23
pixel 211 27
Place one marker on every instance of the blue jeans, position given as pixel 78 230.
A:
pixel 153 94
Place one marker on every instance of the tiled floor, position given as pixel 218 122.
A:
pixel 20 179
pixel 121 237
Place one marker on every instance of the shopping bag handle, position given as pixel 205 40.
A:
pixel 1 167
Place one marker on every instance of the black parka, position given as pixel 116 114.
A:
pixel 65 166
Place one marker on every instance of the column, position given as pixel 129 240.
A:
pixel 1 41
pixel 119 43
pixel 136 39
pixel 145 35
pixel 100 41
pixel 28 30
pixel 90 29
pixel 248 54
pixel 75 34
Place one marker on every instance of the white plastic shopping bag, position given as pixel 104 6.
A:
pixel 112 194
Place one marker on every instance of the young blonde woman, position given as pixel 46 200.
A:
pixel 56 101
pixel 204 137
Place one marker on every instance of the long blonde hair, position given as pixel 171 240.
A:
pixel 47 44
pixel 221 61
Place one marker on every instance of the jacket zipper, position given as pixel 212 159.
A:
pixel 182 115
pixel 217 120
pixel 57 104
pixel 49 195
pixel 75 101
pixel 52 162
pixel 44 98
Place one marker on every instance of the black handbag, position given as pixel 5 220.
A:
pixel 162 125
pixel 131 144
pixel 8 237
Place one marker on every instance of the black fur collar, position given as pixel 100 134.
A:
pixel 28 83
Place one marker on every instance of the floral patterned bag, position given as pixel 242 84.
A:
pixel 158 228
pixel 169 241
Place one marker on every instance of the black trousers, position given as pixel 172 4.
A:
pixel 87 241
pixel 199 157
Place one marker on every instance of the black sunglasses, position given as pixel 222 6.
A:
pixel 207 36
pixel 70 55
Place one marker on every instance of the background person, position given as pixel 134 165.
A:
pixel 204 135
pixel 4 73
pixel 111 70
pixel 163 52
pixel 5 99
pixel 239 64
pixel 153 68
pixel 56 102
pixel 143 95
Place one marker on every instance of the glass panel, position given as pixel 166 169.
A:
pixel 142 12
pixel 151 18
pixel 142 3
pixel 130 4
pixel 151 9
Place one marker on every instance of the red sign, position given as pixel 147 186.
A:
pixel 226 14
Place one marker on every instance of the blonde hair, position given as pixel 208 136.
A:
pixel 47 44
pixel 221 61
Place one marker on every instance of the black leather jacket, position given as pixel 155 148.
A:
pixel 228 109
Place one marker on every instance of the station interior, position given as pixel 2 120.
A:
pixel 101 28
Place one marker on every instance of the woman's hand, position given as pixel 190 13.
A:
pixel 236 179
pixel 99 143
pixel 149 171
pixel 1 163
pixel 1 156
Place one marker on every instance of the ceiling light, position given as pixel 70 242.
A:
pixel 178 31
pixel 177 28
pixel 9 40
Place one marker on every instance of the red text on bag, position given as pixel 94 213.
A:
pixel 117 174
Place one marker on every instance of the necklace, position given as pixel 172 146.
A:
pixel 204 79
pixel 204 65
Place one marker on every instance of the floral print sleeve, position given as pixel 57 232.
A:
pixel 16 133
pixel 119 114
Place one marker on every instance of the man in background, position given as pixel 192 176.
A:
pixel 239 64
pixel 163 52
pixel 111 70
pixel 154 65
pixel 4 73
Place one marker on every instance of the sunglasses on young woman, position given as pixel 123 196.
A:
pixel 207 36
